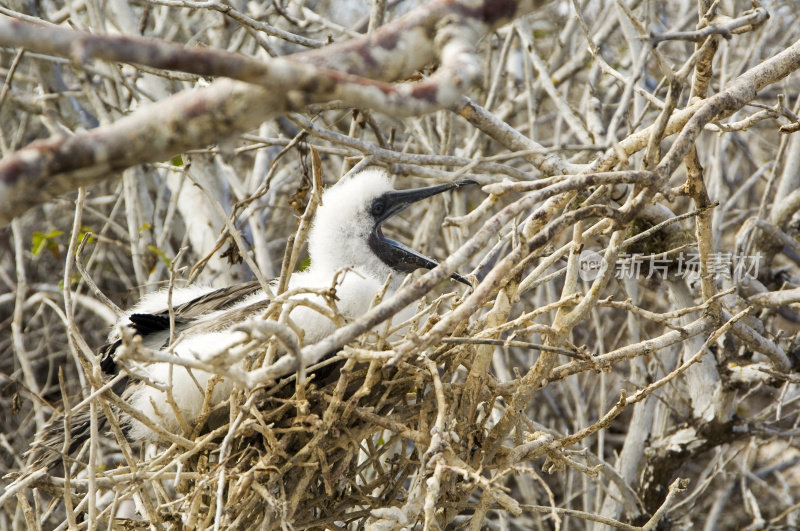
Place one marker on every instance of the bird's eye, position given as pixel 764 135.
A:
pixel 378 207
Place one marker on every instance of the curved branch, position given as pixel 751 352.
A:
pixel 196 118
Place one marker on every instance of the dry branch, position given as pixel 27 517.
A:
pixel 194 119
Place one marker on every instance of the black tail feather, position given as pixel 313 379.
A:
pixel 47 450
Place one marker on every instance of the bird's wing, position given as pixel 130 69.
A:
pixel 225 320
pixel 188 317
pixel 219 299
pixel 216 300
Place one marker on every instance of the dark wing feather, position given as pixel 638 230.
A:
pixel 147 324
pixel 216 300
pixel 46 450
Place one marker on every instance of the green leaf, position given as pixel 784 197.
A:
pixel 83 232
pixel 177 161
pixel 40 241
pixel 73 281
pixel 161 254
pixel 304 264
pixel 145 227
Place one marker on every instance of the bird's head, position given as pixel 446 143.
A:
pixel 347 227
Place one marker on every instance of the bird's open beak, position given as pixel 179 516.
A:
pixel 395 254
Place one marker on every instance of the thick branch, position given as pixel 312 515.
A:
pixel 194 119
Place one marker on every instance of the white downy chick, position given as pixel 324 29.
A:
pixel 346 234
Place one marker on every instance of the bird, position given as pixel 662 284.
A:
pixel 346 241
